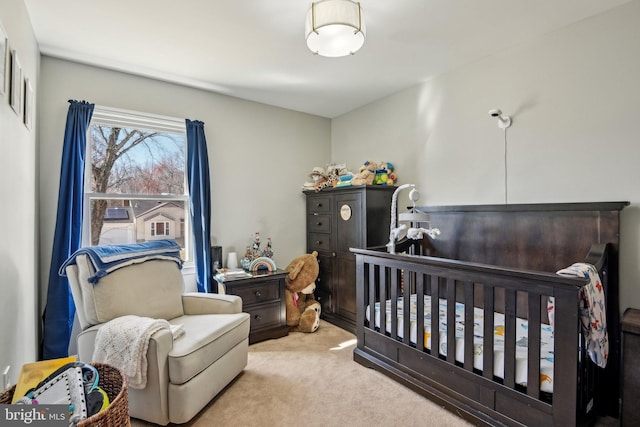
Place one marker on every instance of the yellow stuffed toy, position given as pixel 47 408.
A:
pixel 303 311
pixel 384 174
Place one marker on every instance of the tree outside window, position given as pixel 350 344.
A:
pixel 137 184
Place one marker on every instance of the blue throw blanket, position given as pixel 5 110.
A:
pixel 108 258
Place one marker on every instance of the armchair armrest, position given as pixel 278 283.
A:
pixel 201 303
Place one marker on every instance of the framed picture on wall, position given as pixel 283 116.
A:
pixel 4 59
pixel 16 84
pixel 28 103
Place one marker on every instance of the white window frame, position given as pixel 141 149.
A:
pixel 109 116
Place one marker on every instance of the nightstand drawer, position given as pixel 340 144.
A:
pixel 265 315
pixel 319 242
pixel 319 224
pixel 255 294
pixel 318 205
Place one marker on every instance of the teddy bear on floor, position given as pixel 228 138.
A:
pixel 303 311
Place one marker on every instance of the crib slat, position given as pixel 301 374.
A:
pixel 382 287
pixel 394 303
pixel 489 325
pixel 451 320
pixel 468 326
pixel 419 312
pixel 406 306
pixel 510 337
pixel 533 358
pixel 435 316
pixel 371 297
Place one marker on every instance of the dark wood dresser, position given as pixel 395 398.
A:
pixel 263 298
pixel 339 219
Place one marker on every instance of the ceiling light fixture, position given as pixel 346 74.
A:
pixel 335 28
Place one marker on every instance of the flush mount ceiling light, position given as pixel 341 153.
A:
pixel 334 28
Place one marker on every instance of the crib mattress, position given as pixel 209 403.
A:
pixel 546 344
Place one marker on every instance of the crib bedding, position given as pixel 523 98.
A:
pixel 546 340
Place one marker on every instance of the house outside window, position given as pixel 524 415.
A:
pixel 135 179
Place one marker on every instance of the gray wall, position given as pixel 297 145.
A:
pixel 18 174
pixel 573 95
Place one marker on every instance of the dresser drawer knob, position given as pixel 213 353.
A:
pixel 257 317
pixel 319 223
pixel 318 242
pixel 258 294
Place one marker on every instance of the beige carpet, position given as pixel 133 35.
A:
pixel 312 380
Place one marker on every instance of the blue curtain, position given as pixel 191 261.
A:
pixel 200 201
pixel 60 310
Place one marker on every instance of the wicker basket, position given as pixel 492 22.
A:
pixel 113 382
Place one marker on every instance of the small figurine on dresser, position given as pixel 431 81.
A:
pixel 268 250
pixel 255 260
pixel 256 245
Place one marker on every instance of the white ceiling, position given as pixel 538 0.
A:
pixel 255 49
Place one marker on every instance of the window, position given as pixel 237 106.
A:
pixel 160 229
pixel 135 179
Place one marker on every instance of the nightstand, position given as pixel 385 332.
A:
pixel 263 298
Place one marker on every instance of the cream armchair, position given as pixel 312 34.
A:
pixel 184 374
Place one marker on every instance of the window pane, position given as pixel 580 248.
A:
pixel 135 179
pixel 134 161
pixel 136 221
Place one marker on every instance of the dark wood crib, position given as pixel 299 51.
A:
pixel 503 259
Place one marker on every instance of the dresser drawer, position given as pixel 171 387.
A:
pixel 319 242
pixel 263 316
pixel 318 205
pixel 259 293
pixel 319 224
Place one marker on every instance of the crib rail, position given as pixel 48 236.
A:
pixel 382 277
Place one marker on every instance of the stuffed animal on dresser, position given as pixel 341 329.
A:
pixel 303 311
pixel 366 175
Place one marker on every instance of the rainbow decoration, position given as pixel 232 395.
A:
pixel 262 263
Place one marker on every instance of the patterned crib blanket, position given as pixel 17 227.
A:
pixel 522 326
pixel 593 313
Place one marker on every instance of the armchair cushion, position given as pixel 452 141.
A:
pixel 207 338
pixel 118 293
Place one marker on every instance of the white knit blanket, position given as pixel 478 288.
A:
pixel 123 342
